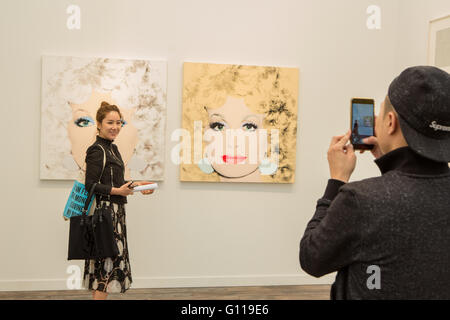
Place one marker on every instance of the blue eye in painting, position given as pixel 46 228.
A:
pixel 123 123
pixel 84 121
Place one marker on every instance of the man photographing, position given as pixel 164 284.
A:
pixel 397 224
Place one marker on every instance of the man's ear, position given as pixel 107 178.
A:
pixel 393 123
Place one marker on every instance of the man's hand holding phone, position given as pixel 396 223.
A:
pixel 341 157
pixel 376 151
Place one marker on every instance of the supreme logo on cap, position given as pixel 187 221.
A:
pixel 437 127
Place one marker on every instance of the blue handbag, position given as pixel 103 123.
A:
pixel 78 196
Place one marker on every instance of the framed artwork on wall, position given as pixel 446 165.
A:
pixel 72 91
pixel 439 43
pixel 239 122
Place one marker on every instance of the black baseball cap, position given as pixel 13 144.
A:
pixel 421 97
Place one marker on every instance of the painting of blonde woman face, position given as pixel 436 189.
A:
pixel 257 104
pixel 82 128
pixel 239 156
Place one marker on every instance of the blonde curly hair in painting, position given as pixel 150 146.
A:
pixel 270 91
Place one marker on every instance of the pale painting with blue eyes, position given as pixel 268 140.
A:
pixel 73 90
pixel 246 117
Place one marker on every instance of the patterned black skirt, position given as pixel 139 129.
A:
pixel 111 275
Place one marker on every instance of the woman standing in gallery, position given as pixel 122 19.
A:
pixel 355 132
pixel 109 275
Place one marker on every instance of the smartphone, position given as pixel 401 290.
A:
pixel 362 122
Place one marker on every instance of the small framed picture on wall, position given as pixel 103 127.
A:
pixel 439 43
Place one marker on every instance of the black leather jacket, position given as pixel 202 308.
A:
pixel 113 173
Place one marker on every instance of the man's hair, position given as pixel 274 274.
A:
pixel 388 107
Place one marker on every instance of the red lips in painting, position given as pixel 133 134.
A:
pixel 233 160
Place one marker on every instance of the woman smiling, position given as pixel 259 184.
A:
pixel 109 275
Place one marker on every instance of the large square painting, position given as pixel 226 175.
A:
pixel 239 123
pixel 72 91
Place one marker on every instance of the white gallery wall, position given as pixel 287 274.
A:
pixel 414 28
pixel 196 234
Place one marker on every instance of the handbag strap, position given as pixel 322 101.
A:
pixel 88 200
pixel 104 162
pixel 91 192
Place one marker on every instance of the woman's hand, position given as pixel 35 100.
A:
pixel 124 190
pixel 142 183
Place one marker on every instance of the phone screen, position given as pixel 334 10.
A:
pixel 362 122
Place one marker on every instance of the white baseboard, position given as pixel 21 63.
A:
pixel 177 282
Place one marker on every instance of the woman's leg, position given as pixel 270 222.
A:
pixel 99 295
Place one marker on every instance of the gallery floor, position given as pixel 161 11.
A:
pixel 311 292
